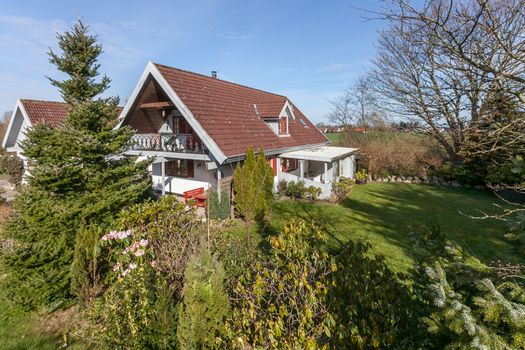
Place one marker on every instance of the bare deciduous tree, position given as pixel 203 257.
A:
pixel 358 104
pixel 342 113
pixel 438 63
pixel 4 124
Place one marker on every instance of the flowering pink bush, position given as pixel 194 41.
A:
pixel 128 249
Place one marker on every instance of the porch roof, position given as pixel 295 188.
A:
pixel 320 154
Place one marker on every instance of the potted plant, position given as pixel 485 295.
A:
pixel 360 177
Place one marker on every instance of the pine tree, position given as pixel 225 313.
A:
pixel 205 305
pixel 78 179
pixel 253 185
pixel 493 143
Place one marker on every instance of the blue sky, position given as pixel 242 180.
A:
pixel 307 50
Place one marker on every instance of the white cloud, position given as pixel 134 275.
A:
pixel 232 35
pixel 335 67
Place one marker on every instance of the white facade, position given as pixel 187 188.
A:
pixel 320 167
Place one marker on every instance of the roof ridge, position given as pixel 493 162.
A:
pixel 217 79
pixel 46 101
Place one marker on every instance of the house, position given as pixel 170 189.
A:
pixel 196 129
pixel 28 113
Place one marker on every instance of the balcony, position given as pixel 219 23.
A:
pixel 182 143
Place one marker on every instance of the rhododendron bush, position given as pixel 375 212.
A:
pixel 147 258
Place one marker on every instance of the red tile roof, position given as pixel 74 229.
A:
pixel 49 112
pixel 226 111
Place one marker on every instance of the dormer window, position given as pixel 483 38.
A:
pixel 283 126
pixel 289 113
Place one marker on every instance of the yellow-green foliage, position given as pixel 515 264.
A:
pixel 281 303
pixel 253 184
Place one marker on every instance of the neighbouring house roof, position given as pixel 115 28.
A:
pixel 321 154
pixel 28 113
pixel 232 114
pixel 49 112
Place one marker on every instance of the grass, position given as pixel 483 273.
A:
pixel 335 137
pixel 386 215
pixel 19 329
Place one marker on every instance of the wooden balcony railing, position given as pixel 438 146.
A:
pixel 168 143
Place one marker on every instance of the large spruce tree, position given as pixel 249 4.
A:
pixel 78 182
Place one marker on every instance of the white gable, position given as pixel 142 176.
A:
pixel 18 125
pixel 152 71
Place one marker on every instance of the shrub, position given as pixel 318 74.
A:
pixel 298 190
pixel 235 254
pixel 12 166
pixel 216 209
pixel 87 266
pixel 174 232
pixel 295 189
pixel 342 188
pixel 312 192
pixel 389 153
pixel 371 306
pixel 253 184
pixel 361 175
pixel 456 171
pixel 136 311
pixel 281 186
pixel 280 303
pixel 205 304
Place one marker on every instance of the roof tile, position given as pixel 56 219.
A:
pixel 226 111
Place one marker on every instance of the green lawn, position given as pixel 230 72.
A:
pixel 19 330
pixel 385 215
pixel 335 137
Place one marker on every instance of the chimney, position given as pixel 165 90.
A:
pixel 214 74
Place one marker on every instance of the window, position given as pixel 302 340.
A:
pixel 303 123
pixel 180 168
pixel 290 164
pixel 283 126
pixel 289 113
pixel 182 126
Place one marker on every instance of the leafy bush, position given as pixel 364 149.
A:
pixel 456 171
pixel 280 303
pixel 174 232
pixel 205 304
pixel 342 188
pixel 298 190
pixel 371 306
pixel 216 209
pixel 360 175
pixel 295 189
pixel 12 166
pixel 136 311
pixel 312 192
pixel 235 253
